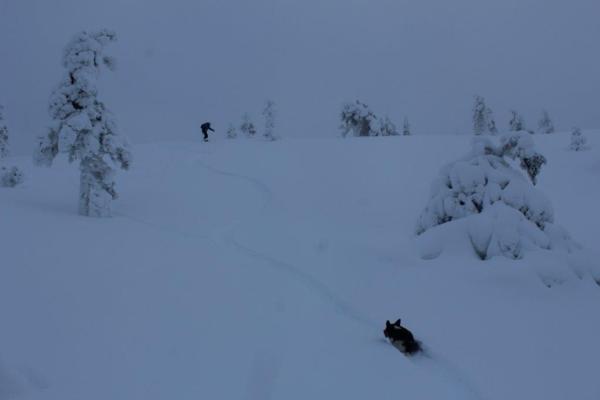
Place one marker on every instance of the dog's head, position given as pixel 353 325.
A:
pixel 389 328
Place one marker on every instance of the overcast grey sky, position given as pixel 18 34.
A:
pixel 181 62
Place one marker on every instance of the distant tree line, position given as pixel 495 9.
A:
pixel 484 122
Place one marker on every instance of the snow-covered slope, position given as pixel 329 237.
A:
pixel 252 270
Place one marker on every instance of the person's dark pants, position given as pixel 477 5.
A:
pixel 205 133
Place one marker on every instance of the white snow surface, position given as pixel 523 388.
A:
pixel 248 269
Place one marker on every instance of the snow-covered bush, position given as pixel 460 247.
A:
pixel 578 141
pixel 358 119
pixel 483 118
pixel 247 127
pixel 387 127
pixel 470 185
pixel 10 176
pixel 503 211
pixel 83 127
pixel 269 114
pixel 545 124
pixel 406 127
pixel 231 132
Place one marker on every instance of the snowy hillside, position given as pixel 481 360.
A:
pixel 250 270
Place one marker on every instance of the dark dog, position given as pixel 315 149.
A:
pixel 401 338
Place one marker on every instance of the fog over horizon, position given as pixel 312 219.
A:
pixel 183 62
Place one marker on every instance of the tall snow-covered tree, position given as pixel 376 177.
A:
pixel 483 118
pixel 269 114
pixel 578 141
pixel 247 127
pixel 406 127
pixel 545 124
pixel 83 128
pixel 516 123
pixel 231 132
pixel 3 135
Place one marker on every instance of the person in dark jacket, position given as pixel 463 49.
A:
pixel 205 128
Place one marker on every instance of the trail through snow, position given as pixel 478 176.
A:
pixel 434 364
pixel 319 288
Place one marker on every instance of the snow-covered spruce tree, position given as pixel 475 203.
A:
pixel 491 122
pixel 516 122
pixel 479 116
pixel 578 141
pixel 387 127
pixel 545 124
pixel 269 114
pixel 9 176
pixel 358 119
pixel 83 128
pixel 3 135
pixel 483 118
pixel 406 127
pixel 247 127
pixel 502 211
pixel 231 132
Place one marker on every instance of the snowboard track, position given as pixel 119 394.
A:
pixel 445 369
pixel 312 283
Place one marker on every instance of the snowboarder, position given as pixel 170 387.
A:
pixel 205 128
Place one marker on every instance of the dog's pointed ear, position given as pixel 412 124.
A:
pixel 397 323
pixel 387 323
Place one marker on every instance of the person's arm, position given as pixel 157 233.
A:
pixel 211 129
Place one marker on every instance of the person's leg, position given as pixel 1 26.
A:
pixel 205 135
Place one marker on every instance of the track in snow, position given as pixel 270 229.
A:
pixel 433 362
pixel 316 286
pixel 444 370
